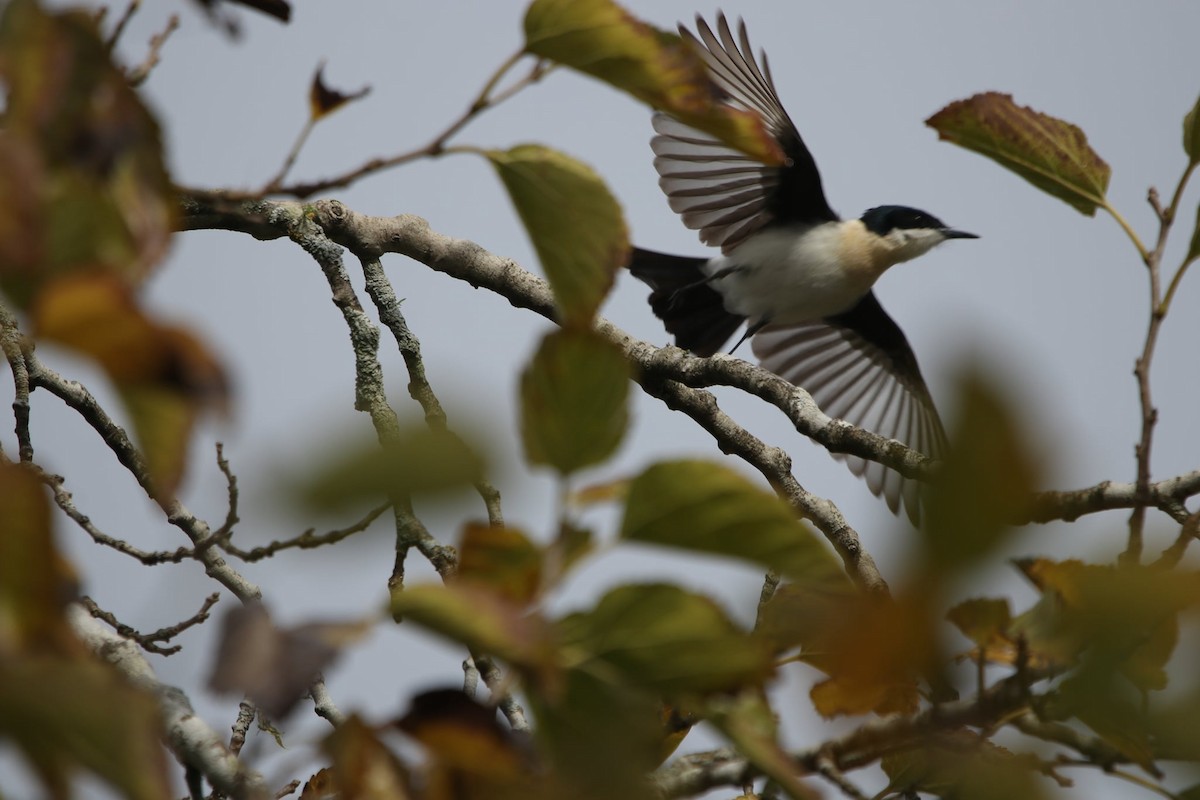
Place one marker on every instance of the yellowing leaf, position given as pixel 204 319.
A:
pixel 323 101
pixel 574 401
pixel 574 222
pixel 503 559
pixel 465 736
pixel 102 196
pixel 666 639
pixel 986 621
pixel 1050 153
pixel 602 39
pixel 1125 615
pixel 165 376
pixel 363 767
pixel 480 619
pixel 65 713
pixel 708 508
pixel 873 649
pixel 35 582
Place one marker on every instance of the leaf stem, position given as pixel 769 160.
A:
pixel 1129 231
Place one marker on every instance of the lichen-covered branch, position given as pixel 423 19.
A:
pixel 192 740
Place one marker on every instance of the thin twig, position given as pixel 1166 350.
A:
pixel 223 533
pixel 149 641
pixel 138 75
pixel 14 344
pixel 436 146
pixel 1141 370
pixel 770 584
pixel 66 503
pixel 78 398
pixel 119 28
pixel 308 540
pixel 827 770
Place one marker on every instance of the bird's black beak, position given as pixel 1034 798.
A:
pixel 950 233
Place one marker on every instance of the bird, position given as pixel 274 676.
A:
pixel 796 274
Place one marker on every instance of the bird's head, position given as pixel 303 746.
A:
pixel 907 232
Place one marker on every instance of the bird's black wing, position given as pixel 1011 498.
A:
pixel 721 192
pixel 858 367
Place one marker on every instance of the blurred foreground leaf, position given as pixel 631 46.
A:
pixel 472 756
pixel 419 460
pixel 165 376
pixel 574 401
pixel 99 196
pixel 480 619
pixel 64 714
pixel 704 507
pixel 36 583
pixel 363 767
pixel 666 639
pixel 601 737
pixel 961 765
pixel 275 666
pixel 503 559
pixel 987 480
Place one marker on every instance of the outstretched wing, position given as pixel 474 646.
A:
pixel 722 192
pixel 859 367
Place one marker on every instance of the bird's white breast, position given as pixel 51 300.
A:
pixel 792 275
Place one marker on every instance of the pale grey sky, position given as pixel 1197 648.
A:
pixel 1050 303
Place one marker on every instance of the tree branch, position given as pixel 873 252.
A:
pixel 193 741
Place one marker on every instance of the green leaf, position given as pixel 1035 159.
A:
pixel 602 39
pixel 1191 133
pixel 750 723
pixel 1050 153
pixel 419 460
pixel 601 737
pixel 481 619
pixel 701 506
pixel 574 222
pixel 962 765
pixel 987 481
pixel 666 639
pixel 1194 248
pixel 65 714
pixel 574 401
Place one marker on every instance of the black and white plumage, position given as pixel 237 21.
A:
pixel 799 275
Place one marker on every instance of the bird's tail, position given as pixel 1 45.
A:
pixel 693 312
